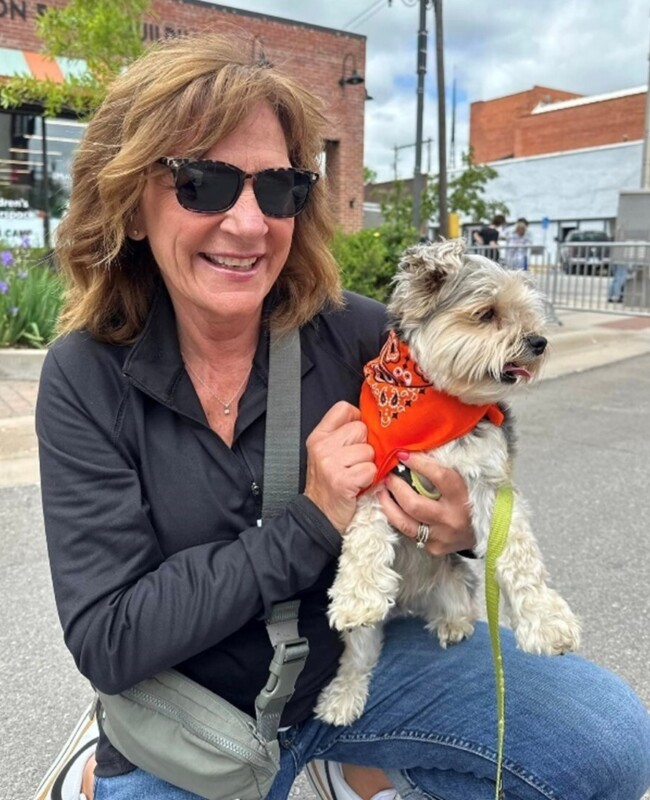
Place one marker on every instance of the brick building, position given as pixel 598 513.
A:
pixel 543 120
pixel 319 57
pixel 561 158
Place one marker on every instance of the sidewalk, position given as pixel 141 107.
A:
pixel 585 340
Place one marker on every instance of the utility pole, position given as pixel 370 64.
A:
pixel 418 178
pixel 399 147
pixel 452 140
pixel 645 169
pixel 442 123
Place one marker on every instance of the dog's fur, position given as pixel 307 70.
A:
pixel 474 328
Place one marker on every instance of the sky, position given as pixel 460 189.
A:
pixel 492 49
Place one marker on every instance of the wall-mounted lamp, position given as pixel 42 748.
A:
pixel 353 79
pixel 258 57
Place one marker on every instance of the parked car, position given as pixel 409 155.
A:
pixel 585 253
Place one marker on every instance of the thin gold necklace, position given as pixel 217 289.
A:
pixel 226 405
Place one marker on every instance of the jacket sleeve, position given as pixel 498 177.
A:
pixel 127 609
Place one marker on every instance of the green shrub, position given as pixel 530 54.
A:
pixel 368 259
pixel 31 295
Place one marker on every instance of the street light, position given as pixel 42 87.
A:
pixel 354 78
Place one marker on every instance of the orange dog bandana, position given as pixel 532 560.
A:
pixel 403 411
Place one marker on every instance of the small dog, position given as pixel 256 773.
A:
pixel 471 330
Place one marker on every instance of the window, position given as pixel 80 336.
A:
pixel 35 164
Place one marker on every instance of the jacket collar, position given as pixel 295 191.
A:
pixel 155 366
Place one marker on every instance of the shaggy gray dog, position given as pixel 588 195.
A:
pixel 474 331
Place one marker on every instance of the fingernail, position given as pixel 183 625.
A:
pixel 403 455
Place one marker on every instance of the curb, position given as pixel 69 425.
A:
pixel 21 365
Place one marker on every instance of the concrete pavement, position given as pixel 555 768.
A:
pixel 583 341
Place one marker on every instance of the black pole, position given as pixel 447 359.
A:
pixel 442 123
pixel 46 188
pixel 418 178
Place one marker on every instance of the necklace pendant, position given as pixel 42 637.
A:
pixel 226 409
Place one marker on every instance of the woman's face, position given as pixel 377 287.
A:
pixel 218 268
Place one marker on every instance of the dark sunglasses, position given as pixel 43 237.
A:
pixel 209 187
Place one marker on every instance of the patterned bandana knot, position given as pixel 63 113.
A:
pixel 403 411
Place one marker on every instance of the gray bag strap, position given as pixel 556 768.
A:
pixel 282 440
pixel 281 483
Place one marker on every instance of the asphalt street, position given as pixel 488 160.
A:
pixel 583 464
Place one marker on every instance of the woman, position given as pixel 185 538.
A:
pixel 195 224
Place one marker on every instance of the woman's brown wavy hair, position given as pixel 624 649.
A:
pixel 180 98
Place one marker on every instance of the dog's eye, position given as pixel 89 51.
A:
pixel 487 315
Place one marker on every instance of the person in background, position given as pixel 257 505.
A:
pixel 517 247
pixel 197 223
pixel 489 235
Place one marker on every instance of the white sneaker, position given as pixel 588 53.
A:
pixel 63 779
pixel 326 779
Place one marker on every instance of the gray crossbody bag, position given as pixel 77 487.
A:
pixel 176 729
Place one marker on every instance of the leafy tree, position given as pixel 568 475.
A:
pixel 465 192
pixel 368 259
pixel 465 196
pixel 103 33
pixel 369 175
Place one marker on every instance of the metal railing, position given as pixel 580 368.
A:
pixel 585 276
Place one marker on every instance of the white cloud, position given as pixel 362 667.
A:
pixel 494 49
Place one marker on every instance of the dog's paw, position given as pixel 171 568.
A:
pixel 551 630
pixel 452 632
pixel 345 613
pixel 342 701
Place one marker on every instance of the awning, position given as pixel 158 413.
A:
pixel 24 62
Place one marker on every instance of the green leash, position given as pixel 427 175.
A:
pixel 499 528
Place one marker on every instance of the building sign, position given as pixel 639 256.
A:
pixel 19 222
pixel 21 10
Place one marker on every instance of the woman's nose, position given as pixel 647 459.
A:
pixel 245 218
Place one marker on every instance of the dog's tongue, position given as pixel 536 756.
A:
pixel 513 369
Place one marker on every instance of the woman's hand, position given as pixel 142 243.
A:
pixel 339 463
pixel 449 521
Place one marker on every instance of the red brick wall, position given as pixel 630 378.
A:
pixel 505 128
pixel 605 122
pixel 311 54
pixel 493 123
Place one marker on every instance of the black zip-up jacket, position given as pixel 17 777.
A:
pixel 157 558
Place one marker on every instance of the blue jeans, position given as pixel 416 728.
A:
pixel 573 731
pixel 617 282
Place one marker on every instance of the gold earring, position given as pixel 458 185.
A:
pixel 135 232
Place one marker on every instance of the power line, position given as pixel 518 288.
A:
pixel 365 15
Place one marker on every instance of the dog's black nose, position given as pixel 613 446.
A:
pixel 536 343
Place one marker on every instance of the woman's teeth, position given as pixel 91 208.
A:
pixel 231 263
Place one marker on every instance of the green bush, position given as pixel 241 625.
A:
pixel 31 295
pixel 368 259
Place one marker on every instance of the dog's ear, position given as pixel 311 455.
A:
pixel 432 264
